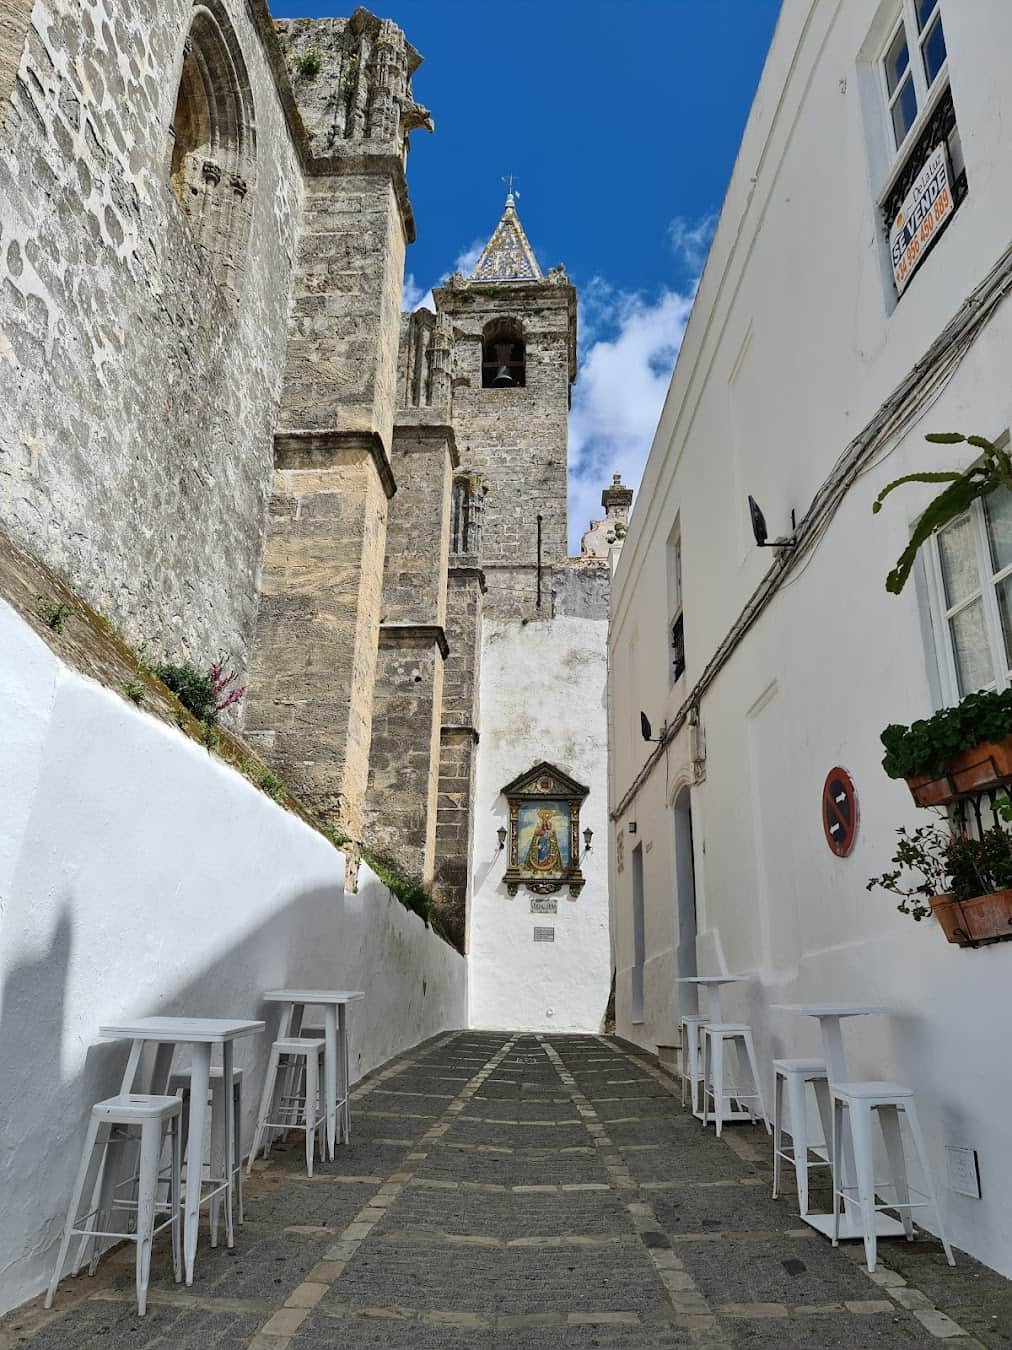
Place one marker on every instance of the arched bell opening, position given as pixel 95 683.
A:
pixel 503 355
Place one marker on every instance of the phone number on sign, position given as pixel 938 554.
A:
pixel 905 264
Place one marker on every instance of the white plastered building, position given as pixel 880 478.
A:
pixel 807 380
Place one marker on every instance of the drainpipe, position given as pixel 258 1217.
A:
pixel 539 562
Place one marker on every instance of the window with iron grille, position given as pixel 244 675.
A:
pixel 920 117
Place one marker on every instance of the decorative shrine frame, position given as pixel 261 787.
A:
pixel 544 831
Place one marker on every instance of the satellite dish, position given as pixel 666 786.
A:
pixel 758 522
pixel 645 727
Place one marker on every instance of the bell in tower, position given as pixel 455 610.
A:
pixel 502 377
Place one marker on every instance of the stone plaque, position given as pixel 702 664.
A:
pixel 550 906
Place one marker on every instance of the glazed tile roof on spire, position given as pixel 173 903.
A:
pixel 507 256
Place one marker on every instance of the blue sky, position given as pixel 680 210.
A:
pixel 620 120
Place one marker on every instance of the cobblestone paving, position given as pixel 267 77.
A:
pixel 530 1192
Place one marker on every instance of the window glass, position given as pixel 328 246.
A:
pixel 969 645
pixel 959 561
pixel 925 9
pixel 933 51
pixel 897 59
pixel 1004 592
pixel 998 510
pixel 904 111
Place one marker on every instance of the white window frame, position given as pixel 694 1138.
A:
pixel 988 580
pixel 927 95
pixel 673 559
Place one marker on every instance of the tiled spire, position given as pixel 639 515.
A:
pixel 507 256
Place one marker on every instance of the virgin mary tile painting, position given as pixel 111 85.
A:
pixel 544 837
pixel 544 806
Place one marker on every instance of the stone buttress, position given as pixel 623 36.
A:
pixel 314 670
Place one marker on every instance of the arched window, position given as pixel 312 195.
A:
pixel 214 142
pixel 503 355
pixel 468 507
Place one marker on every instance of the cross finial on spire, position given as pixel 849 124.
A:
pixel 507 256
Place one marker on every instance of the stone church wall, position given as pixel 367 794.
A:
pixel 515 439
pixel 137 400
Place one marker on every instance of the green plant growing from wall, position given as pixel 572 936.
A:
pixel 134 690
pixel 263 779
pixel 349 78
pixel 991 472
pixel 54 614
pixel 205 694
pixel 308 65
pixel 409 890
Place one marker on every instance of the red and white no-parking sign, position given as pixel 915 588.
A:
pixel 839 811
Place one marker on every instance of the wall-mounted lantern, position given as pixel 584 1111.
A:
pixel 501 832
pixel 588 835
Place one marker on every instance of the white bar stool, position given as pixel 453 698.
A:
pixel 795 1075
pixel 307 1055
pixel 715 1037
pixel 887 1100
pixel 179 1084
pixel 692 1059
pixel 153 1116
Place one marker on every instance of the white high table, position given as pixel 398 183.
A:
pixel 830 1016
pixel 334 1003
pixel 199 1033
pixel 710 984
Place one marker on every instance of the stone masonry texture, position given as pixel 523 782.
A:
pixel 400 815
pixel 309 706
pixel 14 17
pixel 515 439
pixel 531 1192
pixel 216 424
pixel 137 399
pixel 460 715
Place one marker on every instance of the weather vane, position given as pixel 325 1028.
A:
pixel 509 186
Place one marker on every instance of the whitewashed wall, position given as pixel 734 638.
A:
pixel 542 698
pixel 793 344
pixel 138 876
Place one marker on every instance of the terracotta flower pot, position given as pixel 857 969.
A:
pixel 981 767
pixel 985 918
pixel 950 919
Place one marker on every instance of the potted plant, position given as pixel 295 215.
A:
pixel 993 470
pixel 965 883
pixel 958 751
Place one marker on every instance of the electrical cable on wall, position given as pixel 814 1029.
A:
pixel 903 407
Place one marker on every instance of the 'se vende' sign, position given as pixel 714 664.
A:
pixel 924 209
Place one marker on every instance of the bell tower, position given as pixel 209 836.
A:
pixel 514 360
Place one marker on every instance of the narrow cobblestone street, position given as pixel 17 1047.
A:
pixel 534 1192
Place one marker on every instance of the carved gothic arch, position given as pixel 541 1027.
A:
pixel 213 143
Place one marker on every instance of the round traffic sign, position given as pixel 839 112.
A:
pixel 839 811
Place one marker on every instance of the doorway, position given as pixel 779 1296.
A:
pixel 639 936
pixel 685 887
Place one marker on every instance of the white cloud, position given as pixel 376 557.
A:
pixel 628 351
pixel 467 258
pixel 415 297
pixel 690 240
